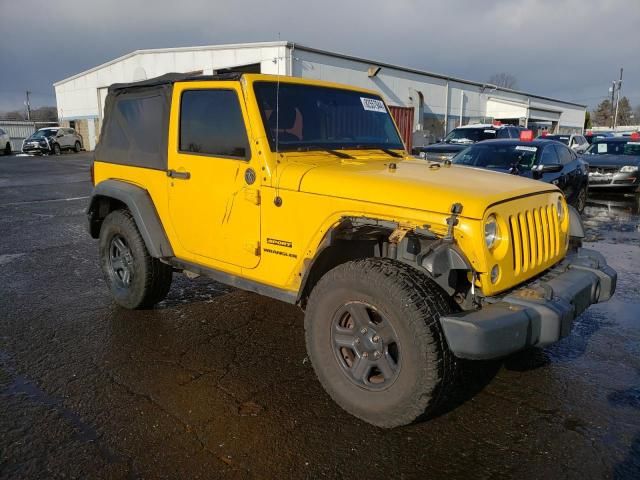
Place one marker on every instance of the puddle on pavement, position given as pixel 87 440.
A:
pixel 613 218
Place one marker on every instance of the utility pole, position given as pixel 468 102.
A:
pixel 615 117
pixel 613 92
pixel 28 104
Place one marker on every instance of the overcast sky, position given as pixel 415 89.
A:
pixel 569 49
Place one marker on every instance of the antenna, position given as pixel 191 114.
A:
pixel 277 200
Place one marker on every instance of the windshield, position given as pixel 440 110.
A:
pixel 316 118
pixel 560 138
pixel 503 157
pixel 470 135
pixel 44 133
pixel 614 148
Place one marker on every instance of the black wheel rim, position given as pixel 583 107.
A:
pixel 365 345
pixel 121 268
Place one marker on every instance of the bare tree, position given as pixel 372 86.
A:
pixel 504 80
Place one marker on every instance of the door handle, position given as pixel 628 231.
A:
pixel 180 175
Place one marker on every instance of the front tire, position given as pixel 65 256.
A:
pixel 7 149
pixel 375 341
pixel 56 149
pixel 581 199
pixel 135 278
pixel 77 147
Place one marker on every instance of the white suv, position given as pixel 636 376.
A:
pixel 577 143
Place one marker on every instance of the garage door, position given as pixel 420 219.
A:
pixel 404 119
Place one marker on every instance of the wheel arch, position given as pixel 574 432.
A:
pixel 353 238
pixel 111 195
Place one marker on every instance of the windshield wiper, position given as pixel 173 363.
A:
pixel 371 147
pixel 309 148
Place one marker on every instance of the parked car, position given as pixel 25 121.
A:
pixel 545 160
pixel 590 136
pixel 578 143
pixel 5 142
pixel 52 140
pixel 461 137
pixel 614 163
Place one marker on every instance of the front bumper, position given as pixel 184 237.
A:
pixel 536 314
pixel 615 181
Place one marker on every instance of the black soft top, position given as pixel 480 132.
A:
pixel 135 126
pixel 171 78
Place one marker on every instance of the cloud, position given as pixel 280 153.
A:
pixel 562 48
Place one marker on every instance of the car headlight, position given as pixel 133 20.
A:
pixel 561 210
pixel 629 169
pixel 491 232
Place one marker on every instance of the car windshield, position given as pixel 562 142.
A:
pixel 503 157
pixel 44 133
pixel 614 148
pixel 317 118
pixel 560 138
pixel 470 135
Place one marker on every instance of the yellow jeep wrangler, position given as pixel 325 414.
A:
pixel 303 191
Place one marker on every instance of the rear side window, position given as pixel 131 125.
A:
pixel 211 123
pixel 564 154
pixel 549 156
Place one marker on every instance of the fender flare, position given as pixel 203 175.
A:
pixel 141 206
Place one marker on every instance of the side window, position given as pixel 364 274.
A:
pixel 549 156
pixel 564 154
pixel 211 123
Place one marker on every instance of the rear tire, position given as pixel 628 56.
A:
pixel 135 278
pixel 7 149
pixel 77 147
pixel 410 369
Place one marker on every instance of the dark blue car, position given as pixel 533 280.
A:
pixel 545 160
pixel 614 164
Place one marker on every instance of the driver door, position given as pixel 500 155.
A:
pixel 214 198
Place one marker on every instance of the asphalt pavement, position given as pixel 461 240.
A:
pixel 215 382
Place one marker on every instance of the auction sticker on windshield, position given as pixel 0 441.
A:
pixel 373 105
pixel 526 149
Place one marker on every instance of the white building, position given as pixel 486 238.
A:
pixel 425 104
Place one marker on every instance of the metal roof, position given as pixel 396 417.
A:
pixel 297 46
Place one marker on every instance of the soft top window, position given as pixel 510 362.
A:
pixel 135 127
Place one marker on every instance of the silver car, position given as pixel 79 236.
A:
pixel 52 140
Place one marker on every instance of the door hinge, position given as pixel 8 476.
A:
pixel 253 248
pixel 252 195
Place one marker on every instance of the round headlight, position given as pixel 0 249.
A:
pixel 491 232
pixel 561 211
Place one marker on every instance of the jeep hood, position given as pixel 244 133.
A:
pixel 417 184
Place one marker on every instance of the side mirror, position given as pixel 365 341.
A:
pixel 538 170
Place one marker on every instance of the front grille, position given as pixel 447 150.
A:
pixel 535 236
pixel 603 170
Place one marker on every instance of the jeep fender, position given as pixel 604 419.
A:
pixel 139 203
